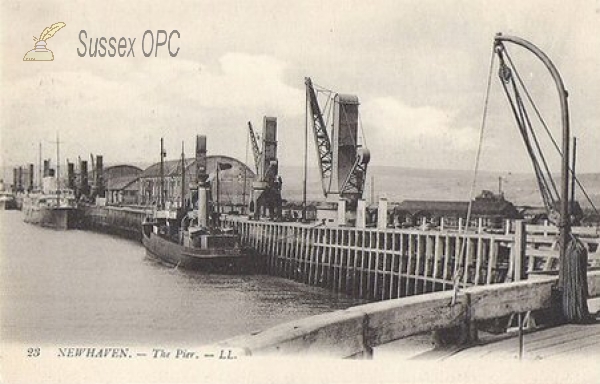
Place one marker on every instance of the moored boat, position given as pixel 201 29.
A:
pixel 51 207
pixel 7 201
pixel 197 247
pixel 191 236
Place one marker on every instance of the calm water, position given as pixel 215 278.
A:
pixel 88 288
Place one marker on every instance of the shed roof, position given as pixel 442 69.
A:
pixel 120 183
pixel 173 167
pixel 488 207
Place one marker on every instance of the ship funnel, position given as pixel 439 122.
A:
pixel 201 177
pixel 99 182
pixel 201 174
pixel 83 178
pixel 20 182
pixel 71 176
pixel 15 180
pixel 46 168
pixel 30 186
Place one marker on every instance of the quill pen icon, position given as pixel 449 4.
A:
pixel 40 52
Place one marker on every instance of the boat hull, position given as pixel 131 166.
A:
pixel 214 260
pixel 8 204
pixel 57 218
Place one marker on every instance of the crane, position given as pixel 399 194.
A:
pixel 343 161
pixel 572 286
pixel 267 187
pixel 255 149
pixel 322 142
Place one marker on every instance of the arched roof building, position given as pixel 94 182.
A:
pixel 235 183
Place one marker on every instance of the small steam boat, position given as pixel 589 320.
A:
pixel 194 238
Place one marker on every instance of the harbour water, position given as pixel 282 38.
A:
pixel 85 288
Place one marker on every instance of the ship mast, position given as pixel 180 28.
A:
pixel 57 170
pixel 40 167
pixel 182 178
pixel 161 203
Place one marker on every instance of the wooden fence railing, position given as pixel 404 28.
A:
pixel 381 264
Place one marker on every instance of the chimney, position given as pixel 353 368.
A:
pixel 20 181
pixel 46 167
pixel 83 178
pixel 99 182
pixel 71 176
pixel 15 180
pixel 201 174
pixel 30 188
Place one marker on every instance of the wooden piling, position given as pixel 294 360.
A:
pixel 380 264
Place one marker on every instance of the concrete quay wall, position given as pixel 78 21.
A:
pixel 122 221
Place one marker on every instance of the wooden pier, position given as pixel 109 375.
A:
pixel 570 341
pixel 388 263
pixel 354 332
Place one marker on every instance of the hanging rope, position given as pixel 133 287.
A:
pixel 574 301
pixel 545 126
pixel 461 270
pixel 532 132
pixel 544 178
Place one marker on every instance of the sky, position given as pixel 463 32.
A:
pixel 419 69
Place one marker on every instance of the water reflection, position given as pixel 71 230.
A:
pixel 88 288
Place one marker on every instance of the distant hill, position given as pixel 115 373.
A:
pixel 399 183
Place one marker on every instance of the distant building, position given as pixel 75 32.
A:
pixel 492 208
pixel 122 184
pixel 539 215
pixel 292 211
pixel 534 215
pixel 232 196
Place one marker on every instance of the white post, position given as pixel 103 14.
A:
pixel 520 249
pixel 382 213
pixel 361 214
pixel 341 212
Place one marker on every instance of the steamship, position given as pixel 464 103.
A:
pixel 7 199
pixel 51 206
pixel 194 238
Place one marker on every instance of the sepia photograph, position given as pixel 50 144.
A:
pixel 325 191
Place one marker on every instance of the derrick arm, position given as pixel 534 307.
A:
pixel 354 184
pixel 255 150
pixel 322 142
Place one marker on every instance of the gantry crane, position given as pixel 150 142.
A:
pixel 343 159
pixel 266 198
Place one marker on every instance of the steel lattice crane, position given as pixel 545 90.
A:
pixel 343 159
pixel 255 149
pixel 266 189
